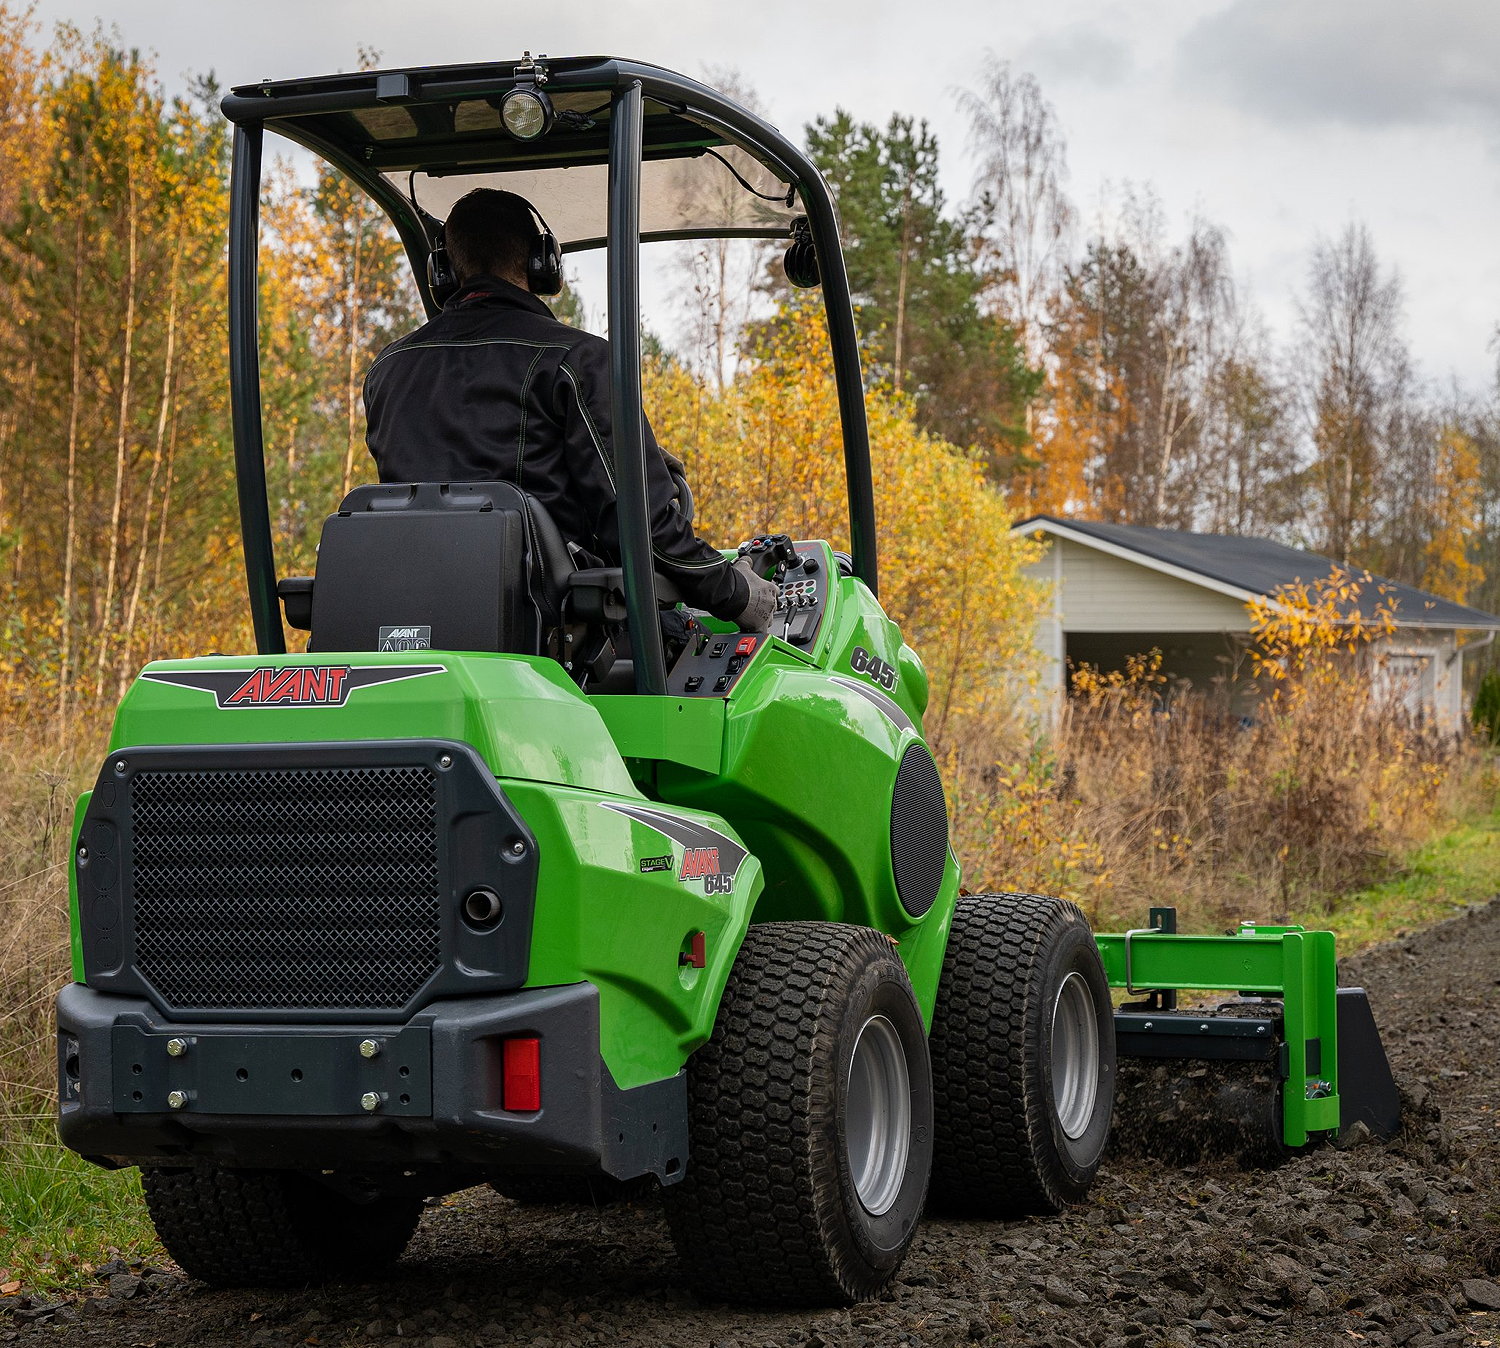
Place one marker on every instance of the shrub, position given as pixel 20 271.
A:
pixel 1487 707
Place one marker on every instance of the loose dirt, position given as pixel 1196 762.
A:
pixel 1378 1245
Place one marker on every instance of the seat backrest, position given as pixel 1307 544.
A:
pixel 467 566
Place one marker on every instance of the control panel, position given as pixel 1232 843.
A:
pixel 799 606
pixel 712 662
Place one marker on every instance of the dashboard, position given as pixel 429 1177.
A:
pixel 712 662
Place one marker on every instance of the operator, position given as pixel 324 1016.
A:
pixel 496 388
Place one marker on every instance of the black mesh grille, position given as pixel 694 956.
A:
pixel 262 888
pixel 919 830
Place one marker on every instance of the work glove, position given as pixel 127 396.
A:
pixel 761 602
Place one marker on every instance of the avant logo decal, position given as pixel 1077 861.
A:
pixel 405 639
pixel 298 686
pixel 702 863
pixel 698 862
pixel 710 860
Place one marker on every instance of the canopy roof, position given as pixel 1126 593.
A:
pixel 433 134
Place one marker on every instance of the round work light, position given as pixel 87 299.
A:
pixel 526 112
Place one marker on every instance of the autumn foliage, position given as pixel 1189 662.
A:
pixel 767 453
pixel 1148 793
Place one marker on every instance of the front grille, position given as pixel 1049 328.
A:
pixel 286 888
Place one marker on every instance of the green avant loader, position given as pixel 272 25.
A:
pixel 482 888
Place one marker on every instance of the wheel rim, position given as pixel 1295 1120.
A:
pixel 877 1123
pixel 1075 1055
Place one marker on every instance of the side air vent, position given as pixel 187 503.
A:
pixel 919 831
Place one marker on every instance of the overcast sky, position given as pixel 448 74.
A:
pixel 1280 120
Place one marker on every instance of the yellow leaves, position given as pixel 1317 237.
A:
pixel 768 454
pixel 1448 571
pixel 1305 630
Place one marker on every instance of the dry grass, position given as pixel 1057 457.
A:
pixel 40 776
pixel 1143 797
pixel 59 1215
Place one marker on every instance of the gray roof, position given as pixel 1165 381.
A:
pixel 1258 566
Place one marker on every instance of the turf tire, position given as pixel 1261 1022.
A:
pixel 1000 1149
pixel 272 1228
pixel 769 1211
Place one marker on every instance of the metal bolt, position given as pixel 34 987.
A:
pixel 177 1099
pixel 369 1101
pixel 1260 1029
pixel 177 1048
pixel 1203 1028
pixel 446 761
pixel 518 848
pixel 368 1048
pixel 1148 1026
pixel 83 854
pixel 119 765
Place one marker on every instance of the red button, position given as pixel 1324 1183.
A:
pixel 746 645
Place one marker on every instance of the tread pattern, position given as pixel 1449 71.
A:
pixel 757 1217
pixel 269 1228
pixel 992 1144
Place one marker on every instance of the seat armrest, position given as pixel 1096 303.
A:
pixel 295 593
pixel 599 593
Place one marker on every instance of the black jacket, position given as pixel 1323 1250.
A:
pixel 495 388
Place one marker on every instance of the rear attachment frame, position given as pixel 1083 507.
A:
pixel 1307 1016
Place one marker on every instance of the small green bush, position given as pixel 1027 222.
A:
pixel 1487 707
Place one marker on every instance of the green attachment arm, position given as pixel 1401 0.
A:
pixel 1298 966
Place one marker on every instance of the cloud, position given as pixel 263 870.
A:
pixel 1080 53
pixel 1366 63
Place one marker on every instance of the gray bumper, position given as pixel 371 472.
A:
pixel 285 1096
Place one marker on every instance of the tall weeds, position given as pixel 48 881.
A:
pixel 58 1213
pixel 39 780
pixel 1144 794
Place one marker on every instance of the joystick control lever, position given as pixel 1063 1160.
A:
pixel 772 555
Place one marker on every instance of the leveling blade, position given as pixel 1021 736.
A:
pixel 1293 1059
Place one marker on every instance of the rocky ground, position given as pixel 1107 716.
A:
pixel 1380 1245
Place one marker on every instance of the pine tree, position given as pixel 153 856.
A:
pixel 912 269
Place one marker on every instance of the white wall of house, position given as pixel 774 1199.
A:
pixel 1100 593
pixel 1423 670
pixel 1094 592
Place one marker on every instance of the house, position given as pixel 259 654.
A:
pixel 1125 589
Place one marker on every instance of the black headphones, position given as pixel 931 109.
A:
pixel 544 263
pixel 544 270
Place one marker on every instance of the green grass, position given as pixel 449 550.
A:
pixel 60 1217
pixel 1439 880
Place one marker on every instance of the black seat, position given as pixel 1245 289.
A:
pixel 468 566
pixel 459 566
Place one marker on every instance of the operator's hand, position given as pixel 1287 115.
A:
pixel 761 603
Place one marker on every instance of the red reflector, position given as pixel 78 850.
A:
pixel 522 1089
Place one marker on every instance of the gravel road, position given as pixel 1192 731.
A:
pixel 1376 1245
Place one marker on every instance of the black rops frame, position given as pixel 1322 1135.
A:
pixel 629 83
